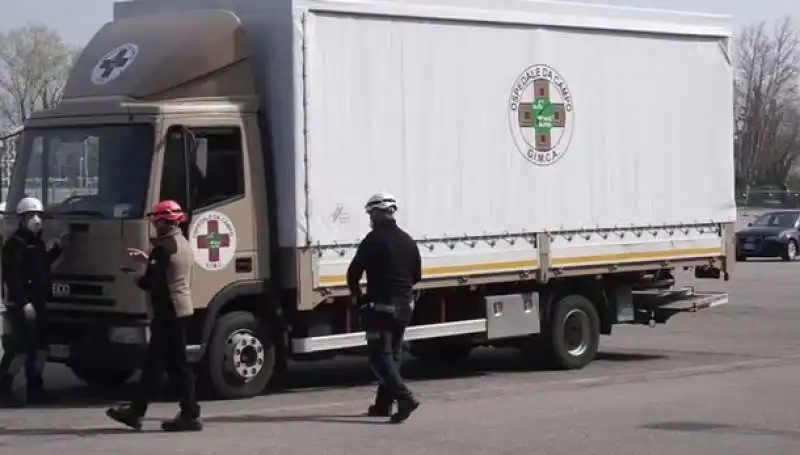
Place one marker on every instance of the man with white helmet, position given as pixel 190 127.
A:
pixel 392 262
pixel 26 263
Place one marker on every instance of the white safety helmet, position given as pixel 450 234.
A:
pixel 381 201
pixel 29 205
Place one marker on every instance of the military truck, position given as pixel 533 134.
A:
pixel 556 163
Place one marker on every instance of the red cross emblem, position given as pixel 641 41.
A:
pixel 213 241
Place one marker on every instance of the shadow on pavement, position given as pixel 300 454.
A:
pixel 721 428
pixel 347 372
pixel 356 419
pixel 628 357
pixel 84 432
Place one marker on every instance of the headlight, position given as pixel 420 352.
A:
pixel 129 335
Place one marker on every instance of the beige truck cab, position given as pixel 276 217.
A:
pixel 124 137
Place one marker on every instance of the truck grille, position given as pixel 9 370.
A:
pixel 81 290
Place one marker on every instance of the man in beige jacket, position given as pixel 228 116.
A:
pixel 166 279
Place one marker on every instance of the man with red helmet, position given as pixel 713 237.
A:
pixel 166 279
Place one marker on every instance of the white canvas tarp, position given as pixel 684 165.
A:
pixel 433 112
pixel 416 97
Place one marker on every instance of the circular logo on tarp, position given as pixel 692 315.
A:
pixel 213 240
pixel 114 63
pixel 541 115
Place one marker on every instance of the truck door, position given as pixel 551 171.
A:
pixel 205 169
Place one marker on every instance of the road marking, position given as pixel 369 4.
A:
pixel 463 393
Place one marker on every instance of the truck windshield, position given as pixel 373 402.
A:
pixel 95 171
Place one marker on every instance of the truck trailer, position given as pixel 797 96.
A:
pixel 556 163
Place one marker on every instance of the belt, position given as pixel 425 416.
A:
pixel 381 307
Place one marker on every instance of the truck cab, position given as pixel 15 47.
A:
pixel 155 108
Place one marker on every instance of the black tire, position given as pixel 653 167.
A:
pixel 98 377
pixel 574 318
pixel 790 253
pixel 441 354
pixel 225 355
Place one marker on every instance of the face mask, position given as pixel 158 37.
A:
pixel 34 224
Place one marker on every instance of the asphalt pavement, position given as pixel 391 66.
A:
pixel 723 381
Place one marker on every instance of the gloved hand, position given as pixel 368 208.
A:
pixel 29 311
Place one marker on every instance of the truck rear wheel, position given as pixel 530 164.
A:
pixel 572 336
pixel 241 356
pixel 97 376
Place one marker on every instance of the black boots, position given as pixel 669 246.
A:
pixel 376 410
pixel 404 409
pixel 130 417
pixel 126 416
pixel 182 422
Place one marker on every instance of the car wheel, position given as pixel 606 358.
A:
pixel 790 253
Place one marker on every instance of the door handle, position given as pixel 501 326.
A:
pixel 244 265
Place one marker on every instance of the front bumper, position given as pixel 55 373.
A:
pixel 760 246
pixel 117 347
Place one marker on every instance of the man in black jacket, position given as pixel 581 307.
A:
pixel 26 264
pixel 391 259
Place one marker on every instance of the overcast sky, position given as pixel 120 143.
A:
pixel 77 20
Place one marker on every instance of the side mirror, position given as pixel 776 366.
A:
pixel 749 224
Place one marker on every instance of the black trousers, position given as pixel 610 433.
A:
pixel 385 346
pixel 26 338
pixel 167 351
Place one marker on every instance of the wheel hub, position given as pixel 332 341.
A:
pixel 577 330
pixel 245 355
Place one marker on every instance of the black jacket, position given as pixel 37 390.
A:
pixel 26 266
pixel 392 262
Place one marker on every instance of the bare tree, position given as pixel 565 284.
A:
pixel 34 63
pixel 767 144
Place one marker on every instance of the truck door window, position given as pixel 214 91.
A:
pixel 173 174
pixel 218 167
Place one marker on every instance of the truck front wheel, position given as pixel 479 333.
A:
pixel 572 336
pixel 97 376
pixel 241 356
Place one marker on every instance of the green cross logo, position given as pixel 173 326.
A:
pixel 213 241
pixel 541 115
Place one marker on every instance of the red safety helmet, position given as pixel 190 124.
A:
pixel 168 211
